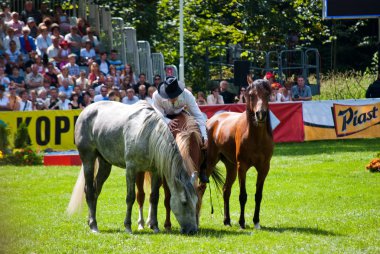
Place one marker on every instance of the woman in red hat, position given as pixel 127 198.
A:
pixel 64 53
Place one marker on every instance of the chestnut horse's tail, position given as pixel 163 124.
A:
pixel 78 195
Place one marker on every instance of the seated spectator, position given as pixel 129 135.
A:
pixel 242 96
pixel 43 41
pixel 13 99
pixel 53 99
pixel 40 64
pixel 75 40
pixel 25 104
pixel 54 29
pixel 126 83
pixel 104 65
pixel 61 18
pixel 201 98
pixel 103 96
pixel 64 53
pixel 373 90
pixel 87 53
pixel 45 10
pixel 115 76
pixel 115 61
pixel 142 92
pixel 12 54
pixel 63 102
pixel 31 59
pixel 66 88
pixel 82 81
pixel 4 80
pixel 73 67
pixel 117 94
pixel 26 41
pixel 3 99
pixel 301 92
pixel 128 72
pixel 92 38
pixel 82 26
pixel 31 24
pixel 149 97
pixel 6 12
pixel 74 102
pixel 16 78
pixel 157 80
pixel 34 79
pixel 30 12
pixel 16 24
pixel 64 76
pixel 33 97
pixel 11 37
pixel 53 51
pixel 142 81
pixel 51 74
pixel 270 77
pixel 42 99
pixel 94 75
pixel 275 95
pixel 215 98
pixel 287 90
pixel 228 97
pixel 87 99
pixel 130 98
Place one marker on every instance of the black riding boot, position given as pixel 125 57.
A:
pixel 203 177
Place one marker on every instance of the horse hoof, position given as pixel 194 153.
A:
pixel 257 225
pixel 168 229
pixel 156 230
pixel 128 230
pixel 94 230
pixel 242 226
pixel 227 223
pixel 141 227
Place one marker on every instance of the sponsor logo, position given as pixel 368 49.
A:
pixel 350 119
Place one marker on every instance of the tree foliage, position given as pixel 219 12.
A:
pixel 260 25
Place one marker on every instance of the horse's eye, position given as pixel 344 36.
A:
pixel 184 203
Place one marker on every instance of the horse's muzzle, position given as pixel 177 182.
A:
pixel 189 230
pixel 261 115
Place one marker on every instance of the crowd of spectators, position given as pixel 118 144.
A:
pixel 49 62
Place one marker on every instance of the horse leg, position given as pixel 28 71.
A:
pixel 140 198
pixel 261 175
pixel 230 179
pixel 168 224
pixel 88 161
pixel 153 200
pixel 242 173
pixel 131 196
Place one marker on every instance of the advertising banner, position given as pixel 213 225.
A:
pixel 47 128
pixel 341 119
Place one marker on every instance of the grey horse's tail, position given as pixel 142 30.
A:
pixel 78 195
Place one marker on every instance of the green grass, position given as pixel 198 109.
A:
pixel 318 198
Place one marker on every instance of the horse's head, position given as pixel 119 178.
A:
pixel 258 93
pixel 183 203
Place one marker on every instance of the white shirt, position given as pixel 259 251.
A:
pixel 185 99
pixel 25 106
pixel 211 100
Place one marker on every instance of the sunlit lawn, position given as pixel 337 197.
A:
pixel 318 197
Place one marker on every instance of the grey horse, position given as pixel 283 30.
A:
pixel 134 137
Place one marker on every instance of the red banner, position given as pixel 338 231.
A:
pixel 286 118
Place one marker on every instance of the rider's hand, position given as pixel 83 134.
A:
pixel 173 124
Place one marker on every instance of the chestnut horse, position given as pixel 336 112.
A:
pixel 242 140
pixel 189 141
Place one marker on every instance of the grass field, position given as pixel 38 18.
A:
pixel 318 198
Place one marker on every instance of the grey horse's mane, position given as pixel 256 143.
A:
pixel 163 150
pixel 183 139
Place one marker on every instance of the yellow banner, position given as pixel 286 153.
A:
pixel 350 119
pixel 47 128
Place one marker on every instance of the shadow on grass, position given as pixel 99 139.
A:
pixel 312 231
pixel 329 147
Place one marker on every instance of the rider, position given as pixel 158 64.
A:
pixel 171 99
